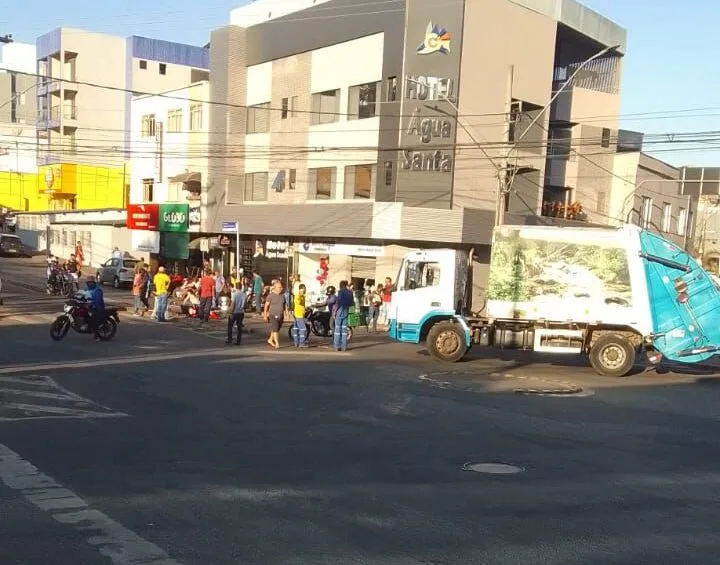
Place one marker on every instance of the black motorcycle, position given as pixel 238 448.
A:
pixel 317 322
pixel 76 315
pixel 61 284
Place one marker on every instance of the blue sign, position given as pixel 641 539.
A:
pixel 229 227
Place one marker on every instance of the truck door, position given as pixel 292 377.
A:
pixel 425 289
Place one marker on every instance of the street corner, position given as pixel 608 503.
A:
pixel 39 397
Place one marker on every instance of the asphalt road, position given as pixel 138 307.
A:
pixel 165 446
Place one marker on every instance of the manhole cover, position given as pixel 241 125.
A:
pixel 492 468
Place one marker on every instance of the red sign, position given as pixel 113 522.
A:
pixel 143 217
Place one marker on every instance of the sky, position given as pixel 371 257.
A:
pixel 670 82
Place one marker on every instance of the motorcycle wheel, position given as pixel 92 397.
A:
pixel 320 329
pixel 59 328
pixel 107 329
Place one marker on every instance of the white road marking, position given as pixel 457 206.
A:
pixel 27 394
pixel 120 545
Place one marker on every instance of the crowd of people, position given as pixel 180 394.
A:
pixel 213 295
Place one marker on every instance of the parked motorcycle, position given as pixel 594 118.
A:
pixel 76 316
pixel 317 323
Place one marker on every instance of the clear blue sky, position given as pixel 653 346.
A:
pixel 670 62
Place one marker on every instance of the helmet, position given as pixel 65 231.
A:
pixel 330 290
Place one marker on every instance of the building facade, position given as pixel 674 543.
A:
pixel 386 130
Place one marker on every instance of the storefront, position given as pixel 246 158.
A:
pixel 162 231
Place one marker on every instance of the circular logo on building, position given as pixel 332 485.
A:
pixel 49 177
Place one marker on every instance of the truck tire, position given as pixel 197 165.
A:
pixel 612 355
pixel 446 342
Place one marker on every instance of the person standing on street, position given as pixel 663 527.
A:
pixel 274 313
pixel 299 331
pixel 345 300
pixel 72 267
pixel 237 313
pixel 207 293
pixel 386 300
pixel 79 255
pixel 257 286
pixel 137 290
pixel 161 281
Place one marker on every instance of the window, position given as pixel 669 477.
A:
pixel 21 98
pixel 359 180
pixel 174 119
pixel 257 118
pixel 256 187
pixel 174 190
pixel 129 263
pixel 605 140
pixel 294 105
pixel 362 101
pixel 285 108
pixel 163 68
pixel 292 176
pixel 148 185
pixel 322 183
pixel 388 173
pixel 666 217
pixel 602 203
pixel 148 125
pixel 646 212
pixel 421 274
pixel 682 221
pixel 391 94
pixel 559 143
pixel 326 107
pixel 196 117
pixel 143 65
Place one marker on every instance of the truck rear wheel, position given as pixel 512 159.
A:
pixel 612 355
pixel 446 341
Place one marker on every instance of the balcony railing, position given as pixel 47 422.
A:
pixel 67 112
pixel 559 209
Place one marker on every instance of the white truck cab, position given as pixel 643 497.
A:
pixel 429 288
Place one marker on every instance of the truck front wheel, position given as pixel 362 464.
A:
pixel 612 355
pixel 446 342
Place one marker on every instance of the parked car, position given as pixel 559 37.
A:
pixel 12 246
pixel 119 272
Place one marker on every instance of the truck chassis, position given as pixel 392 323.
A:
pixel 612 350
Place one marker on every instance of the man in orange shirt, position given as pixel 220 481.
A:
pixel 207 293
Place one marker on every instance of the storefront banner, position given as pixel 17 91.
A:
pixel 143 216
pixel 173 218
pixel 342 249
pixel 277 249
pixel 146 241
pixel 175 245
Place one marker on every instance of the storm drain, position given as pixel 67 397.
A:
pixel 493 468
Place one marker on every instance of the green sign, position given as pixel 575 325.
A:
pixel 174 245
pixel 173 218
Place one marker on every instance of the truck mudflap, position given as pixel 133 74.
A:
pixel 468 333
pixel 684 302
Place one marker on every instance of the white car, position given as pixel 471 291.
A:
pixel 119 272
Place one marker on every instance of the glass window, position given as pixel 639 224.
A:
pixel 421 274
pixel 148 125
pixel 388 173
pixel 362 100
pixel 143 65
pixel 174 119
pixel 285 109
pixel 130 264
pixel 666 216
pixel 196 117
pixel 392 89
pixel 256 187
pixel 682 221
pixel 326 107
pixel 646 211
pixel 292 178
pixel 258 119
pixel 322 183
pixel 359 180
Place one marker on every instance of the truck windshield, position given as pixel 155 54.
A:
pixel 421 274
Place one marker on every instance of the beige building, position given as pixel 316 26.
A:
pixel 406 127
pixel 86 85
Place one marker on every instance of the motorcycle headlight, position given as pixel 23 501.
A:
pixel 67 308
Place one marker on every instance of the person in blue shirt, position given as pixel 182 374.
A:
pixel 236 315
pixel 97 305
pixel 343 303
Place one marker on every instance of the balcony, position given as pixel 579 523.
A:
pixel 558 209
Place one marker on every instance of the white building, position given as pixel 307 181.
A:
pixel 18 150
pixel 169 148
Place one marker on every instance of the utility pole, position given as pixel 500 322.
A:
pixel 503 172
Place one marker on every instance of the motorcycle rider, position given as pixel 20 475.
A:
pixel 73 267
pixel 97 308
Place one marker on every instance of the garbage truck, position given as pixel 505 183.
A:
pixel 609 293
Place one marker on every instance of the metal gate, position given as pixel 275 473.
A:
pixel 362 268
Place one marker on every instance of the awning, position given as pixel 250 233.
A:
pixel 186 177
